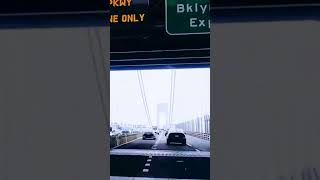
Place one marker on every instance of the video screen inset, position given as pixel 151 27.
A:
pixel 160 123
pixel 160 90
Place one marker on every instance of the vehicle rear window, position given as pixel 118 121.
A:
pixel 173 135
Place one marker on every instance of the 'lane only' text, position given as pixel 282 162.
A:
pixel 127 18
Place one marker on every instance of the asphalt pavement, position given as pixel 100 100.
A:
pixel 193 144
pixel 162 166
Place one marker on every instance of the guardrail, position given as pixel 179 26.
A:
pixel 204 136
pixel 122 139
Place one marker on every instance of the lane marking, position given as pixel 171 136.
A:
pixel 145 170
pixel 154 147
pixel 147 164
pixel 193 147
pixel 126 143
pixel 149 153
pixel 149 160
pixel 179 161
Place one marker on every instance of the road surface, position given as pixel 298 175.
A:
pixel 156 159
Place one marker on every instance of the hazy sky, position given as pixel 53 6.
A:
pixel 192 94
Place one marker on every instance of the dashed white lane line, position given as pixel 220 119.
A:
pixel 147 165
pixel 179 161
pixel 193 147
pixel 150 153
pixel 154 147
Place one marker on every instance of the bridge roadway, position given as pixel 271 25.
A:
pixel 155 159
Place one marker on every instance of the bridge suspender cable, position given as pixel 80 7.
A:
pixel 169 110
pixel 145 99
pixel 143 96
pixel 172 94
pixel 170 100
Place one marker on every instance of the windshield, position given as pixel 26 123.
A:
pixel 145 101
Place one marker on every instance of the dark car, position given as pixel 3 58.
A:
pixel 157 131
pixel 125 132
pixel 176 138
pixel 148 135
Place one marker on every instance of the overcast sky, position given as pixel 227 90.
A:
pixel 192 95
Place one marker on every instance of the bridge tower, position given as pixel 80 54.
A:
pixel 162 115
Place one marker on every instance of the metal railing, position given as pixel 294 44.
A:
pixel 118 140
pixel 200 126
pixel 204 136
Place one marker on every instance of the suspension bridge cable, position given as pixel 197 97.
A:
pixel 145 97
pixel 169 103
pixel 173 94
pixel 172 89
pixel 141 85
pixel 144 105
pixel 170 100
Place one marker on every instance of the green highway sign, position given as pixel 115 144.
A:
pixel 185 17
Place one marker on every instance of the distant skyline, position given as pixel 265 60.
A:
pixel 192 95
